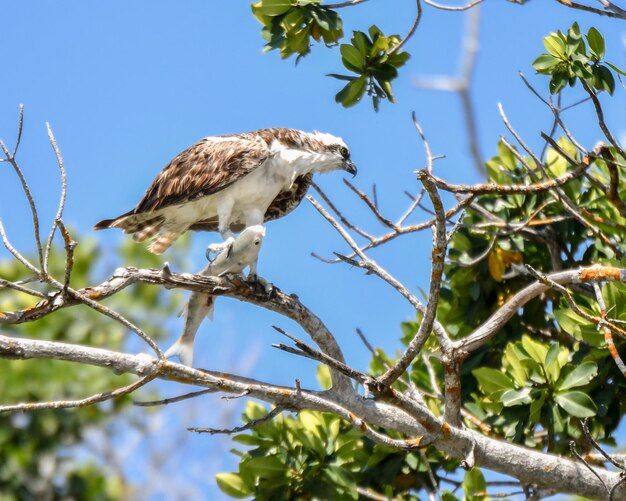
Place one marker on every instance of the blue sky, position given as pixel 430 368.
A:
pixel 128 85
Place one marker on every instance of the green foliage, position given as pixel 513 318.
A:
pixel 475 486
pixel 528 390
pixel 374 58
pixel 545 370
pixel 29 441
pixel 569 59
pixel 317 455
pixel 290 25
pixel 531 384
pixel 544 386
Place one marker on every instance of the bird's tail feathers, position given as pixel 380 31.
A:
pixel 163 241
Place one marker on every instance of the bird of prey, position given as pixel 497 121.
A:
pixel 228 183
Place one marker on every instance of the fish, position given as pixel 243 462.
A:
pixel 241 253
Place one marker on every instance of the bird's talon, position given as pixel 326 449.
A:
pixel 217 249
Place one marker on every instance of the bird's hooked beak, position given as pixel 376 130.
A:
pixel 349 167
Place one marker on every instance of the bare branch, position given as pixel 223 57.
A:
pixel 493 324
pixel 507 189
pixel 62 199
pixel 307 351
pixel 615 12
pixel 341 217
pixel 453 7
pixel 341 5
pixel 429 314
pixel 179 398
pixel 372 206
pixel 528 465
pixel 413 29
pixel 248 426
pixel 84 402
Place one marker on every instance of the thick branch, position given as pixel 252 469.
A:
pixel 238 288
pixel 493 325
pixel 529 466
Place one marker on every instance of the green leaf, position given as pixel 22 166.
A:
pixel 558 420
pixel 352 92
pixel 607 81
pixel 553 368
pixel 615 68
pixel 345 78
pixel 232 485
pixel 386 85
pixel 352 57
pixel 535 407
pixel 511 398
pixel 580 376
pixel 576 403
pixel 323 377
pixel 535 349
pixel 474 483
pixel 322 19
pixel 362 43
pixel 518 371
pixel 555 45
pixel 558 81
pixel 254 410
pixel 596 42
pixel 398 59
pixel 545 62
pixel 384 72
pixel 273 7
pixel 265 467
pixel 492 380
pixel 552 355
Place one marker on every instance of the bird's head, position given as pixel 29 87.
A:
pixel 333 154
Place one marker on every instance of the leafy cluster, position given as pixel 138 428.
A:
pixel 375 59
pixel 540 381
pixel 547 368
pixel 319 456
pixel 569 60
pixel 289 25
pixel 525 389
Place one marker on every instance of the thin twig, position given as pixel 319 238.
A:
pixel 11 285
pixel 453 7
pixel 416 22
pixel 238 429
pixel 62 198
pixel 307 351
pixel 67 404
pixel 593 10
pixel 341 5
pixel 341 217
pixel 429 315
pixel 171 400
pixel 572 446
pixel 372 206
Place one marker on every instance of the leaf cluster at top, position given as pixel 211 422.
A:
pixel 569 59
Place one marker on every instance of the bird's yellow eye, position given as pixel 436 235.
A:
pixel 344 152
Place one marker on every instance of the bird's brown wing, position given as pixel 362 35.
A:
pixel 207 167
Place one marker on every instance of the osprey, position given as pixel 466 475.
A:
pixel 228 183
